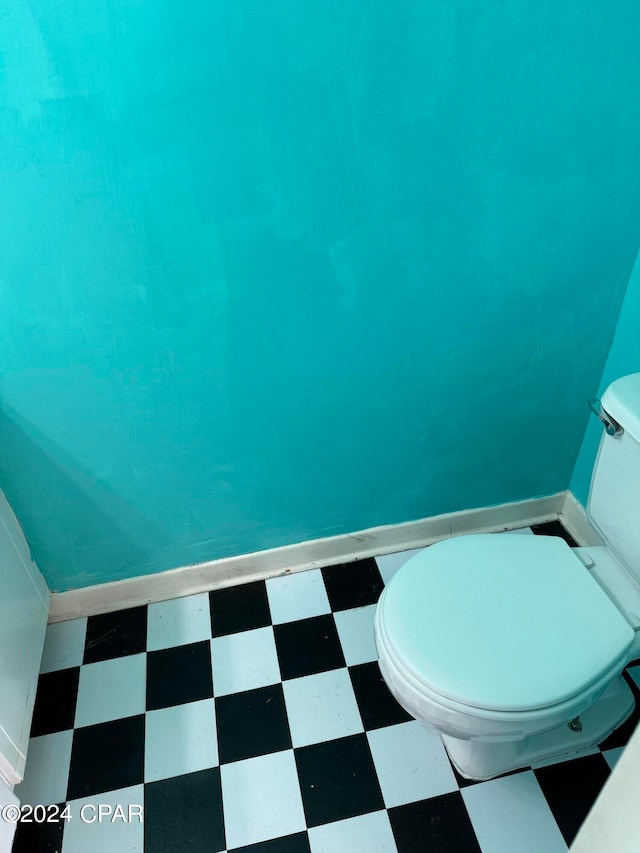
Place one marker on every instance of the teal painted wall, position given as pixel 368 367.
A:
pixel 277 270
pixel 623 358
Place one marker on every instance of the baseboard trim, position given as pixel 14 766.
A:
pixel 315 553
pixel 574 519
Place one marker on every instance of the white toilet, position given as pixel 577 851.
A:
pixel 513 647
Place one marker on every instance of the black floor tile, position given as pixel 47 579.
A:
pixel 460 779
pixel 239 608
pixel 438 825
pixel 55 706
pixel 308 646
pixel 554 528
pixel 114 635
pixel 179 675
pixel 621 735
pixel 40 837
pixel 377 706
pixel 184 813
pixel 298 843
pixel 252 723
pixel 106 757
pixel 337 780
pixel 571 788
pixel 464 783
pixel 351 585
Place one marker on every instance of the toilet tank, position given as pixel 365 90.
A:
pixel 614 497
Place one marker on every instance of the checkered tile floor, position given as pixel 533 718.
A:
pixel 255 719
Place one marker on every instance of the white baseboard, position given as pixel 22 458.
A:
pixel 315 553
pixel 574 519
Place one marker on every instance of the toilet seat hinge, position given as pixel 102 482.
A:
pixel 612 427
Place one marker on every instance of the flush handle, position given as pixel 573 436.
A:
pixel 612 427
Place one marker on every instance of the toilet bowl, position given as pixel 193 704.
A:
pixel 504 639
pixel 513 647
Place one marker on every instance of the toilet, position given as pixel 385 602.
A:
pixel 512 646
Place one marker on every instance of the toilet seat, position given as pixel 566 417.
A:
pixel 479 724
pixel 507 625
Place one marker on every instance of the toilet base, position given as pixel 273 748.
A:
pixel 477 759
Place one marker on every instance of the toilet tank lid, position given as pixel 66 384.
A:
pixel 622 401
pixel 510 623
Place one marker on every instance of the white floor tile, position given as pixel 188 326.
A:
pixel 111 689
pixel 261 799
pixel 178 622
pixel 388 564
pixel 297 596
pixel 512 814
pixel 244 661
pixel 411 763
pixel 47 771
pixel 64 645
pixel 612 755
pixel 321 707
pixel 179 740
pixel 355 629
pixel 107 835
pixel 369 833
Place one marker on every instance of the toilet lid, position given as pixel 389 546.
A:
pixel 503 622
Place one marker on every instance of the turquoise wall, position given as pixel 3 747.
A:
pixel 278 270
pixel 623 358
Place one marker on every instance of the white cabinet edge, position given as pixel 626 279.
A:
pixel 14 529
pixel 7 830
pixel 24 580
pixel 11 758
